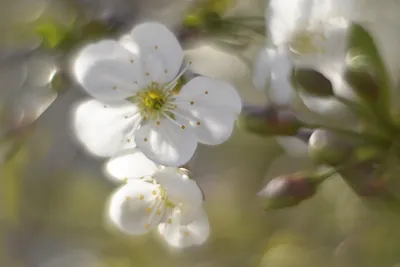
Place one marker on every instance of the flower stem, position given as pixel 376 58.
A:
pixel 379 119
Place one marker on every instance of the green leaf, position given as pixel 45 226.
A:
pixel 51 33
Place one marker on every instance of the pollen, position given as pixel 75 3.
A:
pixel 206 92
pixel 169 221
pixel 148 210
pixel 147 74
pixel 128 140
pixel 154 192
pixel 114 88
pixel 183 127
pixel 191 102
pixel 165 71
pixel 198 123
pixel 132 60
pixel 186 233
pixel 141 197
pixel 147 226
pixel 145 139
pixel 127 198
pixel 158 212
pixel 158 122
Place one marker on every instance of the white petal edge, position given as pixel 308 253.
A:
pixel 167 143
pixel 154 37
pixel 181 236
pixel 107 70
pixel 129 164
pixel 212 125
pixel 211 92
pixel 136 207
pixel 261 70
pixel 280 89
pixel 104 129
pixel 182 191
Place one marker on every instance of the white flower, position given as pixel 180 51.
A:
pixel 304 34
pixel 156 196
pixel 136 83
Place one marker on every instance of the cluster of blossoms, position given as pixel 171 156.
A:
pixel 340 62
pixel 145 109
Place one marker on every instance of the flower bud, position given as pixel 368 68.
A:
pixel 360 75
pixel 287 191
pixel 311 82
pixel 268 121
pixel 329 148
pixel 367 74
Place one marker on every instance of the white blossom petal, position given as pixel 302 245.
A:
pixel 130 163
pixel 212 125
pixel 153 37
pixel 108 71
pixel 182 191
pixel 330 109
pixel 136 207
pixel 103 129
pixel 210 92
pixel 280 89
pixel 167 143
pixel 261 70
pixel 284 16
pixel 181 235
pixel 293 146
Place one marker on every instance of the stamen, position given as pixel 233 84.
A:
pixel 173 83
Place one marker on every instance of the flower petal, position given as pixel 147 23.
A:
pixel 280 91
pixel 108 71
pixel 212 125
pixel 136 207
pixel 211 92
pixel 153 37
pixel 131 163
pixel 181 235
pixel 105 129
pixel 330 109
pixel 284 16
pixel 262 71
pixel 182 191
pixel 166 143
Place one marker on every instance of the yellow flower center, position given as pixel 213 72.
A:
pixel 156 99
pixel 307 42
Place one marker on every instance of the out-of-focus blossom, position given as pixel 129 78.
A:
pixel 27 89
pixel 304 34
pixel 156 196
pixel 140 99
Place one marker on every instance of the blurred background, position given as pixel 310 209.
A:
pixel 52 193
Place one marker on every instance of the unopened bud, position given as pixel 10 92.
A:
pixel 360 76
pixel 287 191
pixel 268 121
pixel 329 148
pixel 312 82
